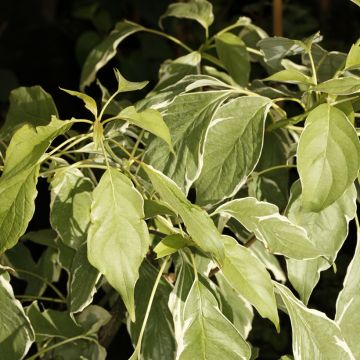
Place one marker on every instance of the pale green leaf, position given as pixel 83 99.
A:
pixel 290 76
pixel 16 332
pixel 126 85
pixel 199 225
pixel 348 303
pixel 188 117
pixel 198 10
pixel 31 105
pixel 233 54
pixel 207 333
pixel 158 341
pixel 118 238
pixel 19 178
pixel 357 2
pixel 353 57
pixel 241 312
pixel 328 157
pixel 249 277
pixel 169 245
pixel 150 120
pixel 327 229
pixel 153 208
pixel 340 86
pixel 232 148
pixel 277 232
pixel 89 102
pixel 70 205
pixel 314 336
pixel 105 51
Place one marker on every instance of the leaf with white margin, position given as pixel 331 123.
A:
pixel 188 117
pixel 277 232
pixel 207 333
pixel 118 238
pixel 249 277
pixel 328 157
pixel 327 229
pixel 16 332
pixel 340 86
pixel 198 10
pixel 348 303
pixel 232 148
pixel 314 335
pixel 198 223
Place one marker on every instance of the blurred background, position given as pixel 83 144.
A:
pixel 45 42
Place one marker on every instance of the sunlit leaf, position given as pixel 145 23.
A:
pixel 89 102
pixel 341 86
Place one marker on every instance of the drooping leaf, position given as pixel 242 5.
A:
pixel 249 277
pixel 328 157
pixel 348 302
pixel 340 86
pixel 327 229
pixel 16 332
pixel 70 205
pixel 31 105
pixel 353 57
pixel 118 238
pixel 105 51
pixel 232 148
pixel 233 54
pixel 150 120
pixel 19 178
pixel 198 10
pixel 290 76
pixel 279 235
pixel 187 117
pixel 314 336
pixel 82 282
pixel 158 341
pixel 242 313
pixel 200 227
pixel 207 333
pixel 89 102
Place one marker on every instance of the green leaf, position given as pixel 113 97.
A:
pixel 327 229
pixel 249 277
pixel 241 312
pixel 348 302
pixel 198 10
pixel 82 282
pixel 150 120
pixel 169 245
pixel 328 157
pixel 89 102
pixel 279 235
pixel 19 178
pixel 188 117
pixel 160 322
pixel 118 238
pixel 172 71
pixel 232 148
pixel 357 2
pixel 314 336
pixel 198 223
pixel 126 85
pixel 153 208
pixel 233 54
pixel 70 206
pixel 16 333
pixel 277 48
pixel 340 86
pixel 353 57
pixel 105 51
pixel 207 333
pixel 290 76
pixel 31 105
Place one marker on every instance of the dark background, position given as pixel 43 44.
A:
pixel 45 42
